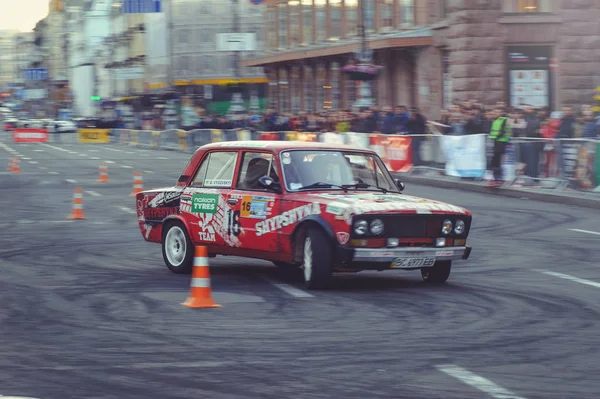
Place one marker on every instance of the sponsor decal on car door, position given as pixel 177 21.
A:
pixel 250 208
pixel 212 219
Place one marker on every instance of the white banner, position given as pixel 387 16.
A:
pixel 129 73
pixel 465 155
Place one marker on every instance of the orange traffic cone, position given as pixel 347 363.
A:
pixel 200 291
pixel 16 165
pixel 77 205
pixel 138 183
pixel 103 178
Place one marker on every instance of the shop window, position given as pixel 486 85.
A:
pixel 335 86
pixel 321 19
pixel 406 8
pixel 386 13
pixel 320 88
pixel 282 18
pixel 525 6
pixel 294 23
pixel 369 17
pixel 309 86
pixel 335 12
pixel 351 8
pixel 283 90
pixel 295 89
pixel 351 88
pixel 307 21
pixel 271 29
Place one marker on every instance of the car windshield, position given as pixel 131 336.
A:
pixel 337 170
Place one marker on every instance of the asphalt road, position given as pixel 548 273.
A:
pixel 90 311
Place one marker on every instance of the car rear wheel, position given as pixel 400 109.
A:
pixel 438 273
pixel 177 248
pixel 317 258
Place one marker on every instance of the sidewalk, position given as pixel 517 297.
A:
pixel 566 196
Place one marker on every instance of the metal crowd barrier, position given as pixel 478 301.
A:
pixel 558 164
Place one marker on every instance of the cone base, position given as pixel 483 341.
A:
pixel 200 303
pixel 76 217
pixel 102 181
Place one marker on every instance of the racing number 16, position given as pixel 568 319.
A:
pixel 234 223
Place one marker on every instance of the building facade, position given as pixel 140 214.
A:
pixel 8 52
pixel 197 67
pixel 433 52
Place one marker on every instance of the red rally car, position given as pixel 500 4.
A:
pixel 323 207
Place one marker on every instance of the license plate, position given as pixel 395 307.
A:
pixel 411 263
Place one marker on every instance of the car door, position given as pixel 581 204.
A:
pixel 204 200
pixel 254 208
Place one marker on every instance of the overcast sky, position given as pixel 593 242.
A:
pixel 22 14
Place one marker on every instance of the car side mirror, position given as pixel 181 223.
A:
pixel 399 184
pixel 268 183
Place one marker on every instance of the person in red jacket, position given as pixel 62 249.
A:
pixel 549 131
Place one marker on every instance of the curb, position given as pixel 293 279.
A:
pixel 504 192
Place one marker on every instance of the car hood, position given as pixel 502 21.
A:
pixel 348 204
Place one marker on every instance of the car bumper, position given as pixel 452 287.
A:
pixel 389 255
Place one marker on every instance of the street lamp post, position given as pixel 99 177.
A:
pixel 237 102
pixel 363 69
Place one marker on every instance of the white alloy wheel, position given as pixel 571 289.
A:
pixel 175 246
pixel 308 260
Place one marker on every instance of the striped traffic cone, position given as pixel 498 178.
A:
pixel 16 165
pixel 138 184
pixel 103 178
pixel 200 291
pixel 77 213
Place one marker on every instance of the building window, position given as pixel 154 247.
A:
pixel 294 23
pixel 321 17
pixel 307 21
pixel 335 11
pixel 282 17
pixel 351 8
pixel 369 17
pixel 271 29
pixel 443 11
pixel 446 80
pixel 406 8
pixel 386 13
pixel 532 6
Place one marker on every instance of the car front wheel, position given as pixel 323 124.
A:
pixel 177 248
pixel 438 273
pixel 317 259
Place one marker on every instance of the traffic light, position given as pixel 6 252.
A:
pixel 95 98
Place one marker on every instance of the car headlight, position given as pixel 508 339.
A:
pixel 360 227
pixel 460 227
pixel 376 227
pixel 447 227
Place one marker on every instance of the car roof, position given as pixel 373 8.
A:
pixel 282 145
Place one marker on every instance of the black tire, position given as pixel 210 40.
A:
pixel 283 265
pixel 438 273
pixel 317 250
pixel 176 234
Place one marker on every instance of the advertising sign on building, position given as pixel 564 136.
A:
pixel 529 77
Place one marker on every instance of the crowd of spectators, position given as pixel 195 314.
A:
pixel 537 127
